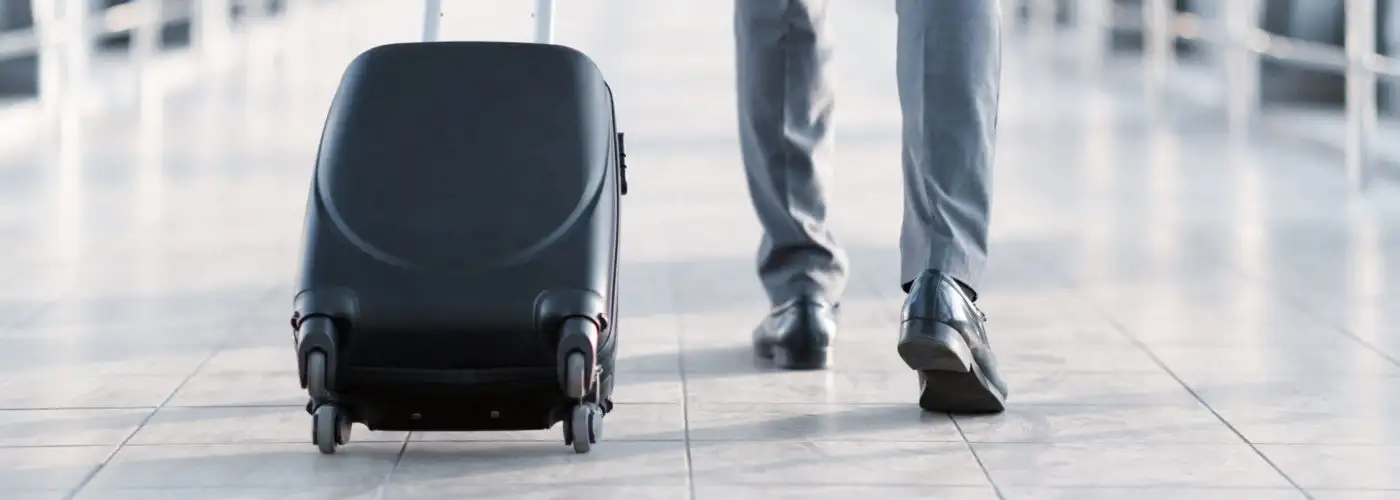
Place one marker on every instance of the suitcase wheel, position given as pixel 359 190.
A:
pixel 584 427
pixel 579 378
pixel 316 371
pixel 578 358
pixel 576 376
pixel 330 427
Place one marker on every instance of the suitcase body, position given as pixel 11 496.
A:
pixel 459 265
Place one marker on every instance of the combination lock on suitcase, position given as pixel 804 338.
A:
pixel 459 266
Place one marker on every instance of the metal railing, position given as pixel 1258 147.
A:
pixel 1233 30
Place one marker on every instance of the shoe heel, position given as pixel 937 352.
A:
pixel 815 358
pixel 930 345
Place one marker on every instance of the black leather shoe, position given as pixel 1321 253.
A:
pixel 942 336
pixel 797 334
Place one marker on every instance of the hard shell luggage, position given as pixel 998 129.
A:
pixel 459 266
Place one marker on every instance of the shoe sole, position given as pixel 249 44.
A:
pixel 793 359
pixel 953 381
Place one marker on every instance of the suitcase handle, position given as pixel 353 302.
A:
pixel 544 21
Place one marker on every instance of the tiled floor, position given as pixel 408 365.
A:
pixel 1180 315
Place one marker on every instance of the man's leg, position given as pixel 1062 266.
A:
pixel 785 118
pixel 949 58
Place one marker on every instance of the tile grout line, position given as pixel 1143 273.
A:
pixel 1122 330
pixel 389 478
pixel 1272 290
pixel 1269 288
pixel 117 449
pixel 685 390
pixel 996 488
pixel 1343 330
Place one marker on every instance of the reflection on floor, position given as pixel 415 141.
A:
pixel 1180 315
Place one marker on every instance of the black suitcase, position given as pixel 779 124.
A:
pixel 460 257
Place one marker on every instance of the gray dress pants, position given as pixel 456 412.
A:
pixel 949 65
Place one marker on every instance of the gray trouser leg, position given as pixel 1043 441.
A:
pixel 785 108
pixel 949 78
pixel 949 58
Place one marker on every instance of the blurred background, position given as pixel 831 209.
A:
pixel 1283 57
pixel 1192 285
